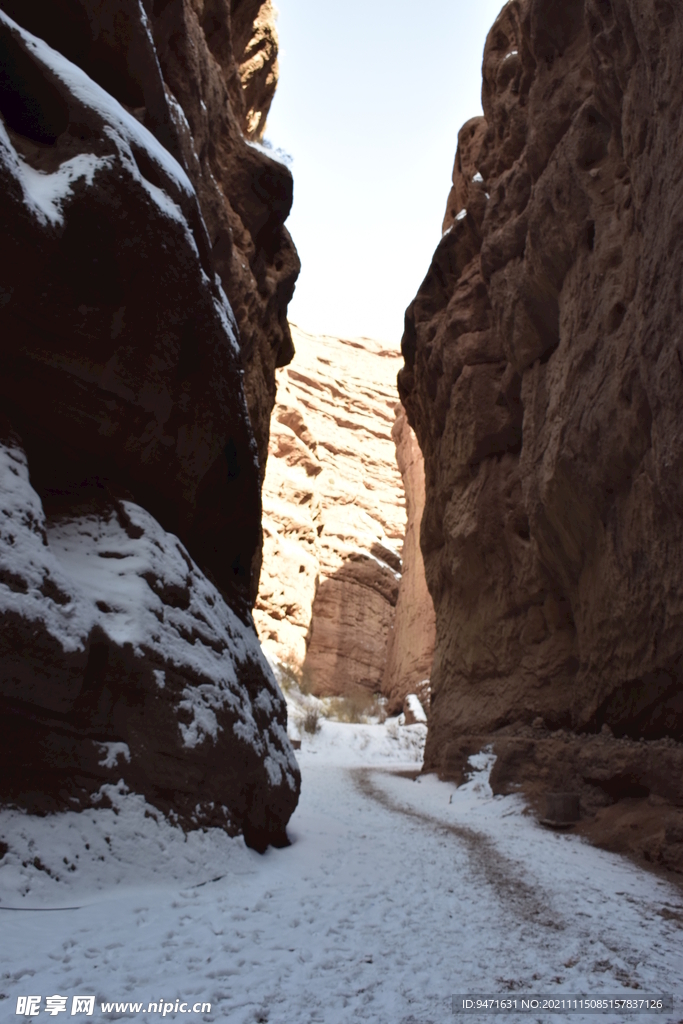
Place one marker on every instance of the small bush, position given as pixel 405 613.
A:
pixel 357 707
pixel 311 721
pixel 287 676
pixel 295 677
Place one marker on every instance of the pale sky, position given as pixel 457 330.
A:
pixel 372 95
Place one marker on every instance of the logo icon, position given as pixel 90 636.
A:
pixel 83 1004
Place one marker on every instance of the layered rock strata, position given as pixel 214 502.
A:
pixel 136 403
pixel 543 379
pixel 334 515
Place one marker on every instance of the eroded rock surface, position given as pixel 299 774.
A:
pixel 200 76
pixel 120 660
pixel 543 379
pixel 410 649
pixel 131 204
pixel 334 514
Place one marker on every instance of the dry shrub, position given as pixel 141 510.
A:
pixel 295 677
pixel 356 707
pixel 311 721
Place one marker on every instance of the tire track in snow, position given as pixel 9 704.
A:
pixel 500 873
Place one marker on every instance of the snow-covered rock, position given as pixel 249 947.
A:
pixel 413 712
pixel 127 557
pixel 120 660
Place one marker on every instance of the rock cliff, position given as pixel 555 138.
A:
pixel 543 376
pixel 410 648
pixel 200 76
pixel 144 290
pixel 334 515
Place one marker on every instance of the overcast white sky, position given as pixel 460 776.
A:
pixel 371 97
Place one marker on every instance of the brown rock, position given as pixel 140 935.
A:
pixel 333 515
pixel 542 379
pixel 255 48
pixel 630 792
pixel 123 376
pixel 411 641
pixel 194 74
pixel 120 660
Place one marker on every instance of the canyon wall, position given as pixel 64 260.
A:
pixel 144 290
pixel 543 377
pixel 410 648
pixel 334 515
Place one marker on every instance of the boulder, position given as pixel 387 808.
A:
pixel 413 713
pixel 120 660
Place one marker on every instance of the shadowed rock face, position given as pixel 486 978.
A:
pixel 543 378
pixel 131 204
pixel 200 76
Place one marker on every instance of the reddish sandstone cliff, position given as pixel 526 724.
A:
pixel 200 76
pixel 334 515
pixel 543 378
pixel 410 649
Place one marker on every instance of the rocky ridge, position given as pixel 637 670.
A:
pixel 334 518
pixel 543 378
pixel 144 298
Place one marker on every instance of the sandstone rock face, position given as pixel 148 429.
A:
pixel 543 379
pixel 120 660
pixel 200 77
pixel 334 515
pixel 123 388
pixel 254 44
pixel 410 650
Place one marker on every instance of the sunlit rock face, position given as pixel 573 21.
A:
pixel 410 650
pixel 334 514
pixel 543 379
pixel 144 291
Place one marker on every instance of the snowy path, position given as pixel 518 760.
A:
pixel 394 895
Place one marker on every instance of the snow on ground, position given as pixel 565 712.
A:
pixel 395 894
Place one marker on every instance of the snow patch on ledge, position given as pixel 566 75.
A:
pixel 112 752
pixel 110 110
pixel 126 575
pixel 45 193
